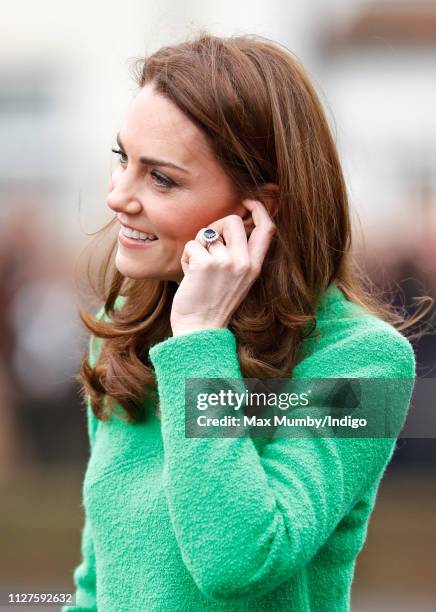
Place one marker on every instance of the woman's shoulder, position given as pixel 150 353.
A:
pixel 352 342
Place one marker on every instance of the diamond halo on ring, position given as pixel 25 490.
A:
pixel 209 236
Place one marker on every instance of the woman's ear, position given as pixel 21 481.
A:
pixel 247 219
pixel 268 196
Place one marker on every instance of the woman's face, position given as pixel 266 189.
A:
pixel 172 202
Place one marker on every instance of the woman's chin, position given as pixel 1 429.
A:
pixel 135 275
pixel 134 271
pixel 131 269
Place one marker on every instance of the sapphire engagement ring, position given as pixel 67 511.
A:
pixel 209 236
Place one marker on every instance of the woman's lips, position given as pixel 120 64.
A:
pixel 131 243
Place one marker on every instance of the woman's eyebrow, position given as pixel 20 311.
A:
pixel 150 160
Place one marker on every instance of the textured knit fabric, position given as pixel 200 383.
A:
pixel 178 524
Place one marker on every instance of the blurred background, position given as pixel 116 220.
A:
pixel 64 87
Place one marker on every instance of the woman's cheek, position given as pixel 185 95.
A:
pixel 184 226
pixel 168 224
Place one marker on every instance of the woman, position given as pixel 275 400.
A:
pixel 227 135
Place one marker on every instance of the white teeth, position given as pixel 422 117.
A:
pixel 130 233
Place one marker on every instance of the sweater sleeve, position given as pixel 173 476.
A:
pixel 245 522
pixel 84 576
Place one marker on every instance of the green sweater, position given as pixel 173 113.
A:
pixel 178 524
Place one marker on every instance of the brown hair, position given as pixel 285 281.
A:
pixel 265 123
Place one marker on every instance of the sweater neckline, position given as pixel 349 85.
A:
pixel 330 301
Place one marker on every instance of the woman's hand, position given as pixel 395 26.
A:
pixel 216 280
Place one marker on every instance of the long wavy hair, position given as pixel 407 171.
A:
pixel 264 121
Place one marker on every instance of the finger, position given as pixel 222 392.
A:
pixel 193 251
pixel 233 231
pixel 258 211
pixel 217 249
pixel 263 231
pixel 217 243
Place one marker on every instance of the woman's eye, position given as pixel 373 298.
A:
pixel 121 154
pixel 161 180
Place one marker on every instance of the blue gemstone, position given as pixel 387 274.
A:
pixel 209 233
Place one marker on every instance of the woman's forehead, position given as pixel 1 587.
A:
pixel 157 128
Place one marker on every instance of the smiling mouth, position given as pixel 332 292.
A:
pixel 138 236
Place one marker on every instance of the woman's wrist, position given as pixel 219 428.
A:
pixel 180 331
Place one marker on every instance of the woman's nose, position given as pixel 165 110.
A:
pixel 121 197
